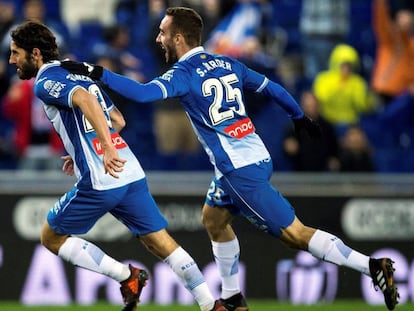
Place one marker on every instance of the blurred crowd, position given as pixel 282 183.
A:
pixel 349 63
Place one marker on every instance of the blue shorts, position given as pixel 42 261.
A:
pixel 78 210
pixel 247 191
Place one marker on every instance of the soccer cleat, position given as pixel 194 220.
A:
pixel 235 303
pixel 218 306
pixel 382 272
pixel 131 288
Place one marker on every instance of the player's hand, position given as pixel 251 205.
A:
pixel 82 68
pixel 68 168
pixel 308 126
pixel 113 164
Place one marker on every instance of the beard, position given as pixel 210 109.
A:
pixel 170 55
pixel 27 71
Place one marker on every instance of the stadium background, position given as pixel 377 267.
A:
pixel 372 212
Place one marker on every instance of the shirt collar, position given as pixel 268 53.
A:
pixel 46 66
pixel 196 50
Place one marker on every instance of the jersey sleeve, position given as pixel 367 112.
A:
pixel 170 84
pixel 259 83
pixel 175 82
pixel 53 88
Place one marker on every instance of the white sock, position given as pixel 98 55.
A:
pixel 86 255
pixel 226 255
pixel 187 270
pixel 328 247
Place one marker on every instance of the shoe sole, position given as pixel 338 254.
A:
pixel 242 306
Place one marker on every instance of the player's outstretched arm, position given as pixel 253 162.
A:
pixel 302 123
pixel 129 88
pixel 82 68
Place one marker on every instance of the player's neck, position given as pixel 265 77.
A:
pixel 183 49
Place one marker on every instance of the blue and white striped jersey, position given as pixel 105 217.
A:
pixel 55 87
pixel 210 88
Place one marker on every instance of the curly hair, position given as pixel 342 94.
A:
pixel 30 35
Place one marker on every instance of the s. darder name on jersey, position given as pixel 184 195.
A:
pixel 213 64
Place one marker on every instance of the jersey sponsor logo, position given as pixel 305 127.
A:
pixel 117 141
pixel 54 87
pixel 240 129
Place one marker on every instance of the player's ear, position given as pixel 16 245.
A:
pixel 36 53
pixel 178 38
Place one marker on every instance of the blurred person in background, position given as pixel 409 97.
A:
pixel 393 70
pixel 36 10
pixel 343 94
pixel 355 153
pixel 211 89
pixel 8 18
pixel 36 143
pixel 115 45
pixel 110 178
pixel 211 12
pixel 313 155
pixel 397 118
pixel 323 25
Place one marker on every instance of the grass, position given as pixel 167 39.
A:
pixel 254 305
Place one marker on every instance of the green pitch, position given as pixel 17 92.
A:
pixel 254 305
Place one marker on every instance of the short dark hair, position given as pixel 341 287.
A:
pixel 30 35
pixel 187 22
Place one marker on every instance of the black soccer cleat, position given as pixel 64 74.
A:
pixel 132 287
pixel 235 303
pixel 382 272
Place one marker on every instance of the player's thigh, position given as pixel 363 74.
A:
pixel 258 201
pixel 138 210
pixel 78 210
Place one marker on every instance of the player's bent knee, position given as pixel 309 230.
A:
pixel 297 236
pixel 160 243
pixel 51 240
pixel 211 225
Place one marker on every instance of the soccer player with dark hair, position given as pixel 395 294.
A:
pixel 110 178
pixel 210 88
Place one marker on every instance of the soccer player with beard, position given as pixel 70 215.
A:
pixel 110 178
pixel 210 88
